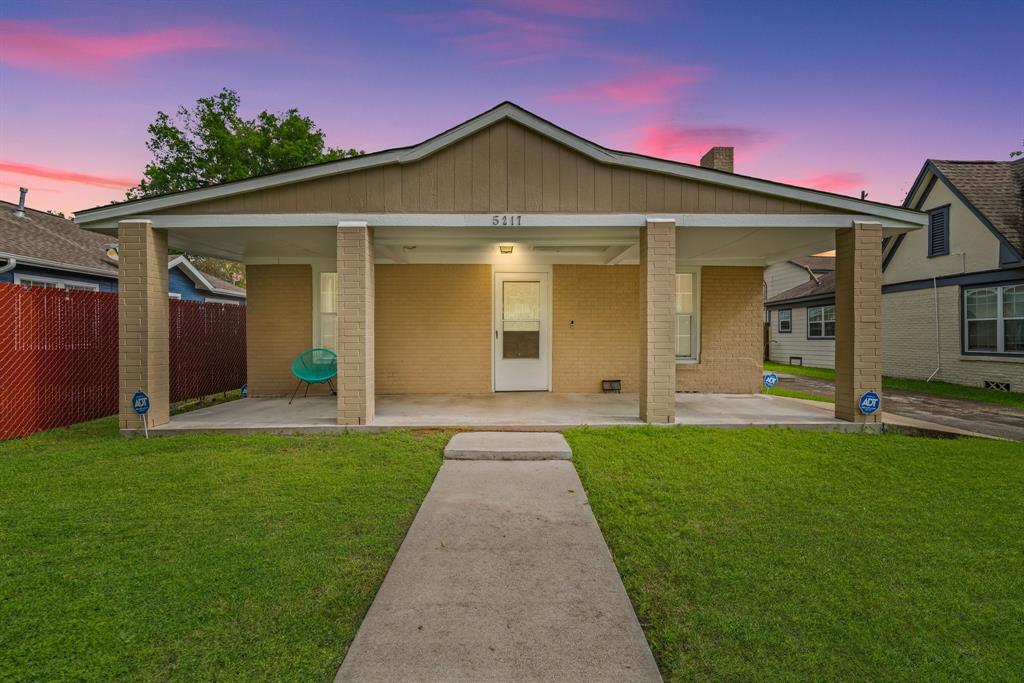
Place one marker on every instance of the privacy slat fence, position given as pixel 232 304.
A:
pixel 58 355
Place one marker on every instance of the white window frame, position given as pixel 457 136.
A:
pixel 320 315
pixel 1000 321
pixel 778 317
pixel 694 357
pixel 59 283
pixel 822 322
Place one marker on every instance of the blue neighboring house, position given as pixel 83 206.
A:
pixel 38 249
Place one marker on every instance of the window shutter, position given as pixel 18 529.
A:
pixel 938 232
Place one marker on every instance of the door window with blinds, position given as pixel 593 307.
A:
pixel 688 316
pixel 328 323
pixel 520 319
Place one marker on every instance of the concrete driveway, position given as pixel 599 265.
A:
pixel 1000 421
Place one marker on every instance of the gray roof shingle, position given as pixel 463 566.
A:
pixel 825 286
pixel 995 189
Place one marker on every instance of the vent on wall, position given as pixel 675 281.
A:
pixel 938 231
pixel 998 386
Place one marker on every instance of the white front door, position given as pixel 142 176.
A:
pixel 522 332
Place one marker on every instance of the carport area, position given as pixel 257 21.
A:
pixel 533 411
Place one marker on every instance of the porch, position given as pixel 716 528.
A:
pixel 520 411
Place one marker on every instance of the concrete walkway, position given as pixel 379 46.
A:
pixel 504 576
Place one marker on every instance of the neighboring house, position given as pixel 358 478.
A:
pixel 38 249
pixel 508 254
pixel 801 318
pixel 953 295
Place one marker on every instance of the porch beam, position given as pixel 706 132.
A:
pixel 355 333
pixel 858 319
pixel 657 299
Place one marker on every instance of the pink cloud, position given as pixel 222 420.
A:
pixel 834 181
pixel 680 142
pixel 45 47
pixel 652 86
pixel 487 32
pixel 65 176
pixel 579 9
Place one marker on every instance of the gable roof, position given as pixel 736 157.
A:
pixel 993 190
pixel 825 286
pixel 815 263
pixel 513 112
pixel 44 240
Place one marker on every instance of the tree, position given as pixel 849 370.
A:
pixel 212 143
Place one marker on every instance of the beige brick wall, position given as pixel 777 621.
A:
pixel 278 326
pixel 657 332
pixel 595 327
pixel 909 342
pixel 433 329
pixel 858 319
pixel 143 360
pixel 731 333
pixel 355 305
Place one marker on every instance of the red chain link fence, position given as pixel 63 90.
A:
pixel 58 355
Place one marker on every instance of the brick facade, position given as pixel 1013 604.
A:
pixel 278 325
pixel 731 333
pixel 595 327
pixel 858 319
pixel 657 337
pixel 143 335
pixel 356 382
pixel 433 329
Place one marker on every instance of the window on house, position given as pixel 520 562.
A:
pixel 688 316
pixel 994 319
pixel 328 326
pixel 785 320
pixel 938 231
pixel 55 283
pixel 821 322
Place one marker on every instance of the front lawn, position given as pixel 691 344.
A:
pixel 200 557
pixel 775 554
pixel 933 388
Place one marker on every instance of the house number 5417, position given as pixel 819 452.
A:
pixel 506 219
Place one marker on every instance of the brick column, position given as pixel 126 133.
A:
pixel 858 319
pixel 657 337
pixel 355 324
pixel 142 312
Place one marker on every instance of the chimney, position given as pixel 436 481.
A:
pixel 20 213
pixel 718 158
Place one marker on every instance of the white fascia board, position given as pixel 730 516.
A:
pixel 193 273
pixel 525 118
pixel 57 265
pixel 528 220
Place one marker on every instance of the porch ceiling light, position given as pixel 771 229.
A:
pixel 505 248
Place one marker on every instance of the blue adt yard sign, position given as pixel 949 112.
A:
pixel 870 402
pixel 140 402
pixel 771 379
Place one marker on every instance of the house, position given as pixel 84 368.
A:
pixel 953 295
pixel 801 312
pixel 38 249
pixel 506 254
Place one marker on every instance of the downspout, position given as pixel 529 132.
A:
pixel 9 266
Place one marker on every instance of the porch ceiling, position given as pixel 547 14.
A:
pixel 550 238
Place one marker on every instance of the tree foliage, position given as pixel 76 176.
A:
pixel 213 143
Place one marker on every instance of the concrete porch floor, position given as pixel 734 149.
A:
pixel 530 411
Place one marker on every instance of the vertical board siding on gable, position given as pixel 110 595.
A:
pixel 503 168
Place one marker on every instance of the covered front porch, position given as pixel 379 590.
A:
pixel 521 411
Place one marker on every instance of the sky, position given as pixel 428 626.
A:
pixel 839 96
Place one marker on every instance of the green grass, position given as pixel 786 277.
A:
pixel 792 393
pixel 933 388
pixel 784 555
pixel 200 557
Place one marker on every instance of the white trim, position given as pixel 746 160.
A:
pixel 198 277
pixel 57 265
pixel 524 269
pixel 529 220
pixel 695 328
pixel 510 111
pixel 174 295
pixel 222 300
pixel 60 282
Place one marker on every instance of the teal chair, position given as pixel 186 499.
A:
pixel 315 366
